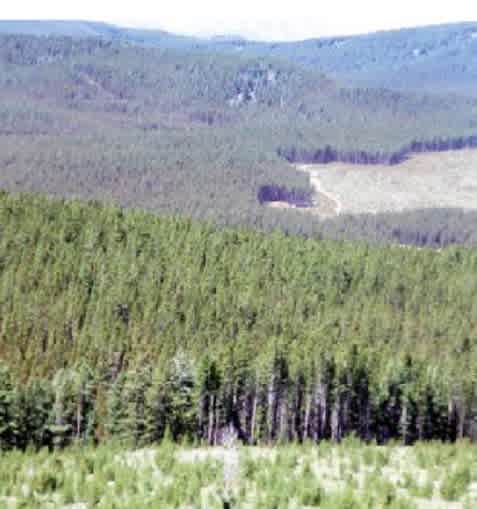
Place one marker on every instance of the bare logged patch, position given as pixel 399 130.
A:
pixel 434 180
pixel 280 205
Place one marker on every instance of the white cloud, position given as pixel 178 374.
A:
pixel 276 19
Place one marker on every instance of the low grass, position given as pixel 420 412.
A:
pixel 351 475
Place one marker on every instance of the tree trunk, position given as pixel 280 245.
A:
pixel 210 425
pixel 271 410
pixel 283 431
pixel 461 415
pixel 321 412
pixel 336 420
pixel 253 420
pixel 403 423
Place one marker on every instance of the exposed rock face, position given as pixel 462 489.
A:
pixel 251 82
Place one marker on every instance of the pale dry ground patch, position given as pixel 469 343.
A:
pixel 430 180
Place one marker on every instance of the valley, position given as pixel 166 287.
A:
pixel 202 305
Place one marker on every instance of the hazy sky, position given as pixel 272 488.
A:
pixel 265 19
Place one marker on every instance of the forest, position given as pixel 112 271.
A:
pixel 438 59
pixel 118 323
pixel 202 134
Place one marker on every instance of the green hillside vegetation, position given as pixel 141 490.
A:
pixel 119 323
pixel 201 133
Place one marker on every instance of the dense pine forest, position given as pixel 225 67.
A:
pixel 119 323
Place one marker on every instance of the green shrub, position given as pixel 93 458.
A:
pixel 346 499
pixel 309 492
pixel 403 503
pixel 456 484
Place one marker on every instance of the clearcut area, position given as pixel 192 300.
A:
pixel 432 180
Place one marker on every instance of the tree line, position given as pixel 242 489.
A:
pixel 329 154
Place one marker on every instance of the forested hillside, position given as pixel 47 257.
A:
pixel 202 133
pixel 98 30
pixel 58 28
pixel 436 59
pixel 119 323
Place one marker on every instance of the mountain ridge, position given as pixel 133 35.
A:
pixel 50 26
pixel 433 58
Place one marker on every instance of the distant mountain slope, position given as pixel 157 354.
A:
pixel 436 58
pixel 439 58
pixel 87 29
pixel 199 133
pixel 297 110
pixel 59 28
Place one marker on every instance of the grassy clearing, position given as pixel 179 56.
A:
pixel 346 476
pixel 423 181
